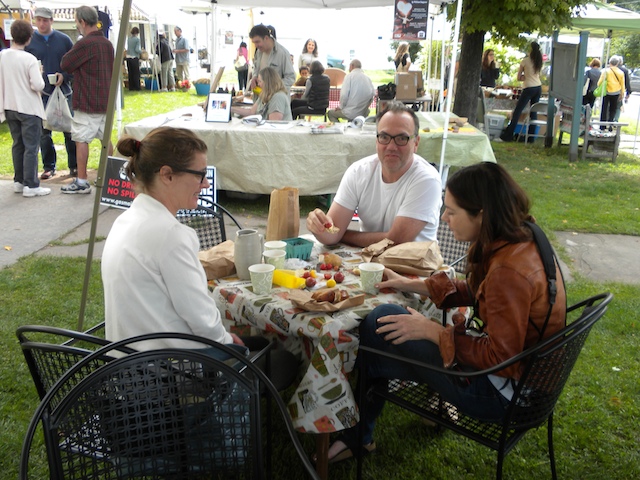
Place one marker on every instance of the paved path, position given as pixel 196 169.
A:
pixel 29 225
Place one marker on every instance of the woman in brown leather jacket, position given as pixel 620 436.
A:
pixel 506 284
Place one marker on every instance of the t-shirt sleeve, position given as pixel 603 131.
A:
pixel 347 194
pixel 278 103
pixel 423 198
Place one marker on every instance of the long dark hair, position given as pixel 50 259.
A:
pixel 487 189
pixel 486 64
pixel 536 56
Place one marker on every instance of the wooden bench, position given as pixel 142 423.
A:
pixel 602 137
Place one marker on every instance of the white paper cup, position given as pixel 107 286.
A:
pixel 370 274
pixel 448 270
pixel 261 278
pixel 275 258
pixel 52 78
pixel 275 245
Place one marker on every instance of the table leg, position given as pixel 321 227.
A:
pixel 322 455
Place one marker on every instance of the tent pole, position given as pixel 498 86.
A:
pixel 214 41
pixel 452 72
pixel 108 127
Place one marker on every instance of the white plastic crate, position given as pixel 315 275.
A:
pixel 494 124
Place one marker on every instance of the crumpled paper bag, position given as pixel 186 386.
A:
pixel 302 299
pixel 218 260
pixel 413 258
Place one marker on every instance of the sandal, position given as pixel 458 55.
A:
pixel 47 174
pixel 347 452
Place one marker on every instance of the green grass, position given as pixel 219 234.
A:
pixel 595 424
pixel 597 415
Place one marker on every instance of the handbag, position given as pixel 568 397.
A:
pixel 601 89
pixel 387 92
pixel 240 64
pixel 57 114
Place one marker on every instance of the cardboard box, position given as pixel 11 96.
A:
pixel 419 78
pixel 406 86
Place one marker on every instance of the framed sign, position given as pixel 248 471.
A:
pixel 218 107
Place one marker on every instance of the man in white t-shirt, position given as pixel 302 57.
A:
pixel 396 193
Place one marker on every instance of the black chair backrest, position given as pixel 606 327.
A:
pixel 50 352
pixel 453 252
pixel 549 364
pixel 208 222
pixel 167 413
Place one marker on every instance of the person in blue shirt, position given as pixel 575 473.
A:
pixel 49 46
pixel 181 53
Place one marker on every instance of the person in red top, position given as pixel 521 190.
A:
pixel 91 63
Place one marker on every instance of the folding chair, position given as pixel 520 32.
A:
pixel 534 122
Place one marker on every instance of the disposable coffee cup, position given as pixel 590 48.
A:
pixel 448 270
pixel 53 78
pixel 275 258
pixel 261 278
pixel 370 274
pixel 275 245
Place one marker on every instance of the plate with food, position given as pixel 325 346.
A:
pixel 325 299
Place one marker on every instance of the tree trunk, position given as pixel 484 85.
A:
pixel 468 83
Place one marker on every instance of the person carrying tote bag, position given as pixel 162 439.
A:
pixel 612 84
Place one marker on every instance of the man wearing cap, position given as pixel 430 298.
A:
pixel 91 63
pixel 49 46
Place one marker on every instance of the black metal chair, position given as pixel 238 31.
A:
pixel 50 352
pixel 453 252
pixel 208 222
pixel 166 413
pixel 547 368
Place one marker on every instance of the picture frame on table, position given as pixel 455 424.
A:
pixel 218 108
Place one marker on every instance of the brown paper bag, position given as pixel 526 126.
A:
pixel 284 214
pixel 414 258
pixel 302 299
pixel 218 260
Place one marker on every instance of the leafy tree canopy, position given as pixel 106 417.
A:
pixel 507 20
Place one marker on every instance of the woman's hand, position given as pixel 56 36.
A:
pixel 236 339
pixel 398 329
pixel 391 279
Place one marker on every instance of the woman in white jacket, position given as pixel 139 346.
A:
pixel 21 83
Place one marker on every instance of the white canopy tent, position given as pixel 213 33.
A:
pixel 201 6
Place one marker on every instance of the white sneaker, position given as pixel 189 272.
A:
pixel 17 187
pixel 35 192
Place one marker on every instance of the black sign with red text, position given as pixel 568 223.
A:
pixel 117 190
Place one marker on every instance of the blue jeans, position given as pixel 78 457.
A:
pixel 528 95
pixel 48 151
pixel 479 398
pixel 26 131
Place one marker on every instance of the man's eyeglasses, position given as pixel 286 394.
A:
pixel 198 173
pixel 400 140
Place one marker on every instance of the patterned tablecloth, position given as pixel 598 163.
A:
pixel 327 343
